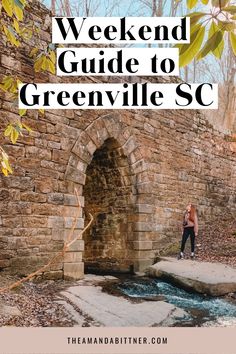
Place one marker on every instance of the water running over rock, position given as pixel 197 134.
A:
pixel 202 310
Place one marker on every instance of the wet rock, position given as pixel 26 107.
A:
pixel 73 313
pixel 110 277
pixel 221 322
pixel 203 277
pixel 171 320
pixel 153 298
pixel 112 311
pixel 94 278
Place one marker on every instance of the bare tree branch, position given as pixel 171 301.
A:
pixel 58 256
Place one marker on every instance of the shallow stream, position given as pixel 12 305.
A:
pixel 202 310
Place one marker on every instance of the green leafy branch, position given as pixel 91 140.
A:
pixel 44 60
pixel 12 15
pixel 14 8
pixel 4 160
pixel 14 130
pixel 216 25
pixel 10 84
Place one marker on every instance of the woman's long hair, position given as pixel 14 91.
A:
pixel 192 213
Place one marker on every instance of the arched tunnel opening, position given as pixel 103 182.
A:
pixel 108 197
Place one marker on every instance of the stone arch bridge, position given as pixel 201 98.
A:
pixel 134 171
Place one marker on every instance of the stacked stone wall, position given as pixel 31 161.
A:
pixel 135 170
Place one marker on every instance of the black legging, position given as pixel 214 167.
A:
pixel 188 231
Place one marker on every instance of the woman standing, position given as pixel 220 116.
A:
pixel 190 228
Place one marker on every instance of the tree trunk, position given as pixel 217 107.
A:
pixel 67 7
pixel 160 8
pixel 53 7
pixel 154 8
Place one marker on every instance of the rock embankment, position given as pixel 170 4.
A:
pixel 203 277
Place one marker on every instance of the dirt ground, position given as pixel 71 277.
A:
pixel 36 303
pixel 218 242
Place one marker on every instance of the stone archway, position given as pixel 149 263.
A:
pixel 108 196
pixel 110 140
